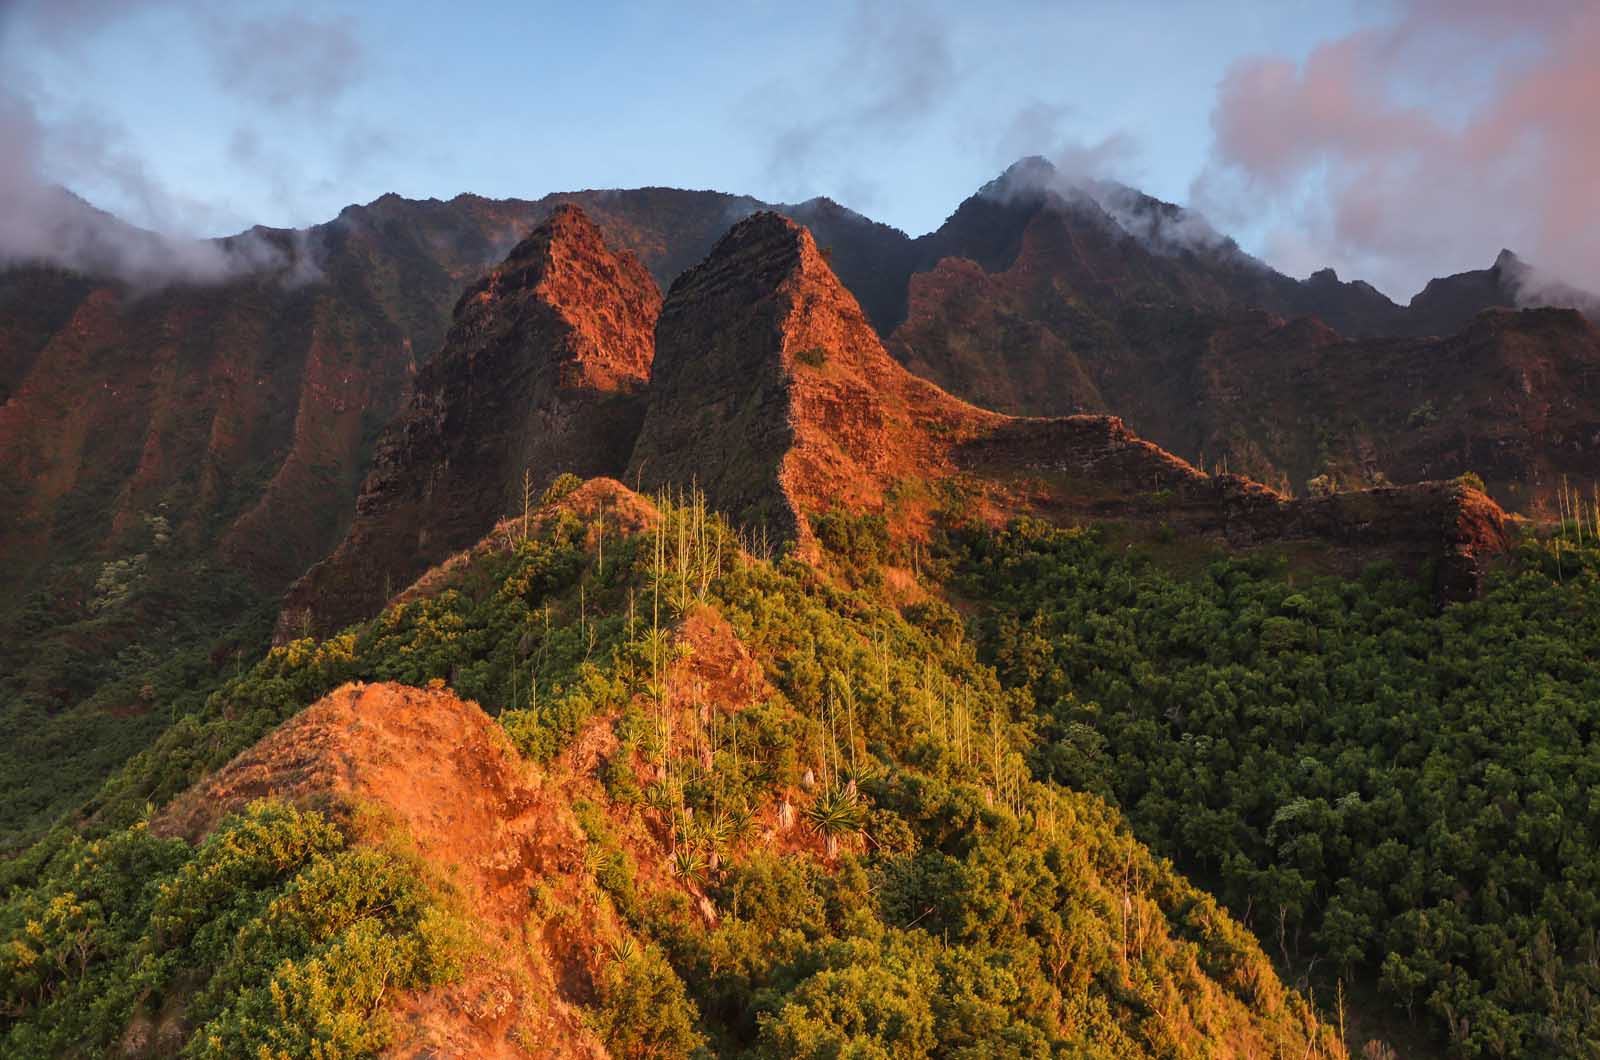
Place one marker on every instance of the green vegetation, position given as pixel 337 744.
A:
pixel 274 937
pixel 1422 416
pixel 518 634
pixel 99 660
pixel 927 898
pixel 1376 787
pixel 959 909
pixel 911 842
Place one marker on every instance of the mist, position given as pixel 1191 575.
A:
pixel 1420 146
pixel 287 63
pixel 1085 172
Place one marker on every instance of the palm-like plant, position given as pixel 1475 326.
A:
pixel 660 797
pixel 624 950
pixel 689 864
pixel 741 820
pixel 836 813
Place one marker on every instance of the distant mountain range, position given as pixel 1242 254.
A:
pixel 677 623
pixel 245 413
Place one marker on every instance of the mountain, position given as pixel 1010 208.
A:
pixel 1445 304
pixel 1511 398
pixel 771 387
pixel 763 385
pixel 225 404
pixel 621 850
pixel 541 374
pixel 1047 297
pixel 175 456
pixel 888 726
pixel 773 394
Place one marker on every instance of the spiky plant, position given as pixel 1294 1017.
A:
pixel 624 950
pixel 660 797
pixel 719 830
pixel 689 864
pixel 835 814
pixel 741 820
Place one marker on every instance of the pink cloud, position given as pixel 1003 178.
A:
pixel 1422 146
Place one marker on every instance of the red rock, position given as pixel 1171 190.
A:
pixel 542 372
pixel 772 393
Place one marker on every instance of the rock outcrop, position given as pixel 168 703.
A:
pixel 773 394
pixel 437 771
pixel 541 374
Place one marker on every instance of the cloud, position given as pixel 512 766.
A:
pixel 1421 145
pixel 1053 160
pixel 287 59
pixel 1045 130
pixel 43 223
pixel 275 61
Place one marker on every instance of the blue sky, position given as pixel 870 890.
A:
pixel 176 117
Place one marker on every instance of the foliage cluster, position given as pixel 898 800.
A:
pixel 274 937
pixel 978 913
pixel 94 666
pixel 1370 783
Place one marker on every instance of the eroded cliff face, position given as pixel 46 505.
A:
pixel 1512 397
pixel 1040 299
pixel 1092 468
pixel 773 394
pixel 541 374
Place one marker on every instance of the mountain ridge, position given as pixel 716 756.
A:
pixel 540 375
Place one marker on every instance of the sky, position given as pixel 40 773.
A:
pixel 1394 140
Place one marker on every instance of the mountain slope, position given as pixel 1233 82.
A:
pixel 772 390
pixel 171 459
pixel 773 394
pixel 680 847
pixel 540 375
pixel 1054 298
pixel 442 774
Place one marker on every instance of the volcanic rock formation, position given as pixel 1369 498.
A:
pixel 772 393
pixel 1044 297
pixel 541 374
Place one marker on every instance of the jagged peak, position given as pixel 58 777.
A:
pixel 758 254
pixel 824 204
pixel 569 246
pixel 1030 171
pixel 566 222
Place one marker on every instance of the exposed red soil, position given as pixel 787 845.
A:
pixel 441 774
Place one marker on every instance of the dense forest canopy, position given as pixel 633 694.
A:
pixel 1370 783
